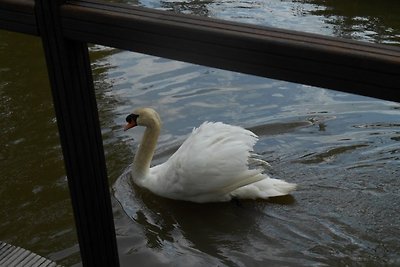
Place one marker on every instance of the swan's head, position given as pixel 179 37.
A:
pixel 147 117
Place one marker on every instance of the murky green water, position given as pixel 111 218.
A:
pixel 343 151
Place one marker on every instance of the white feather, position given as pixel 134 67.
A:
pixel 210 166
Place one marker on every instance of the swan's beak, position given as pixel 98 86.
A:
pixel 129 125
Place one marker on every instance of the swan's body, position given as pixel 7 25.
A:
pixel 210 166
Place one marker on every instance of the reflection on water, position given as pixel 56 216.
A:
pixel 373 21
pixel 342 150
pixel 193 233
pixel 369 20
pixel 35 207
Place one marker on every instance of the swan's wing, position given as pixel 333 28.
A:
pixel 266 188
pixel 212 160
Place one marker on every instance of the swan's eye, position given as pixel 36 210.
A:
pixel 131 118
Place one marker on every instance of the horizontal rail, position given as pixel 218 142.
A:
pixel 18 16
pixel 343 65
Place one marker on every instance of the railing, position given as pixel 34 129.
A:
pixel 67 26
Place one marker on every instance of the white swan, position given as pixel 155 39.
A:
pixel 210 166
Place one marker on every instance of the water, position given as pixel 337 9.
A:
pixel 342 150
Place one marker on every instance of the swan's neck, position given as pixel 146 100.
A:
pixel 144 155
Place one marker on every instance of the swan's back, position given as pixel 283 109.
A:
pixel 210 164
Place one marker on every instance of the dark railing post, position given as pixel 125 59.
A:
pixel 77 117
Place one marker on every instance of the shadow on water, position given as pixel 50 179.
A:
pixel 35 211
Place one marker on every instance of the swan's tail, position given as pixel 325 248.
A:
pixel 265 188
pixel 282 187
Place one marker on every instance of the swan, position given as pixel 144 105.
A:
pixel 210 166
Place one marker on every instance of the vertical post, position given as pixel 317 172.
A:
pixel 78 123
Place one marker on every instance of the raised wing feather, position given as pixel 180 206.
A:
pixel 212 161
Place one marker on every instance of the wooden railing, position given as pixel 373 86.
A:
pixel 344 65
pixel 67 26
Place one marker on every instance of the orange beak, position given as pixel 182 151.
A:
pixel 129 125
